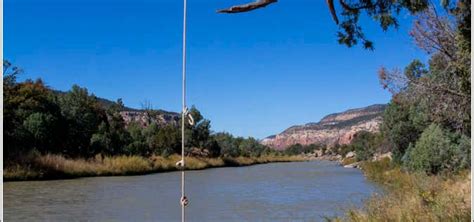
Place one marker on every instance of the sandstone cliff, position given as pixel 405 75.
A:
pixel 338 128
pixel 145 118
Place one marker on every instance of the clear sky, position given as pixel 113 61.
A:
pixel 251 74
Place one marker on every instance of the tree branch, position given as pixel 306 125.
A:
pixel 247 7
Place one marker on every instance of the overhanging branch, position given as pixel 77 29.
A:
pixel 247 7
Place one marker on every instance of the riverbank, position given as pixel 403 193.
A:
pixel 47 167
pixel 414 196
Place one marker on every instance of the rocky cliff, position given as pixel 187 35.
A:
pixel 337 128
pixel 145 118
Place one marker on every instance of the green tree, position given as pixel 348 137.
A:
pixel 443 87
pixel 31 115
pixel 213 147
pixel 228 144
pixel 138 144
pixel 165 140
pixel 400 129
pixel 251 147
pixel 438 150
pixel 83 115
pixel 40 131
pixel 365 144
pixel 111 137
pixel 385 12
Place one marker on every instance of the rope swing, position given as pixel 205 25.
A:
pixel 184 113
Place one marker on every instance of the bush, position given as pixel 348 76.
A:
pixel 413 196
pixel 230 146
pixel 438 150
pixel 402 125
pixel 297 149
pixel 365 144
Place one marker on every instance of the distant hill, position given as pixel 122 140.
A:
pixel 144 117
pixel 337 128
pixel 141 116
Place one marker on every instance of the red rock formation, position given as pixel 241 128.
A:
pixel 338 128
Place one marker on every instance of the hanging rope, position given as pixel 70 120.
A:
pixel 184 200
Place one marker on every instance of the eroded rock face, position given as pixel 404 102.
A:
pixel 338 128
pixel 145 118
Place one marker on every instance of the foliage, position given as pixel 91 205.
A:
pixel 428 120
pixel 199 134
pixel 365 144
pixel 297 149
pixel 401 127
pixel 438 150
pixel 83 115
pixel 385 13
pixel 77 124
pixel 31 113
pixel 443 86
pixel 231 146
pixel 165 140
pixel 138 144
pixel 343 149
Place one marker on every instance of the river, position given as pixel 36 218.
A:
pixel 297 191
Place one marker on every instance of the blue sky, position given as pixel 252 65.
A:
pixel 251 74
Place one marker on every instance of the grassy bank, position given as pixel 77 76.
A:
pixel 413 196
pixel 39 167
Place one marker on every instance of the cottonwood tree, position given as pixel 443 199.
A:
pixel 441 85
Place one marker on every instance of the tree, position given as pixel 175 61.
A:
pixel 138 144
pixel 428 120
pixel 111 137
pixel 401 126
pixel 83 115
pixel 365 144
pixel 384 12
pixel 441 85
pixel 197 135
pixel 228 144
pixel 438 150
pixel 213 147
pixel 165 140
pixel 39 128
pixel 32 116
pixel 251 147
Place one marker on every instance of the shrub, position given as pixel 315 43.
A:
pixel 365 144
pixel 414 196
pixel 438 150
pixel 402 125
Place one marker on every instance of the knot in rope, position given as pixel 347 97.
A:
pixel 184 201
pixel 180 164
pixel 188 115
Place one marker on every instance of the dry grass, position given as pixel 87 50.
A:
pixel 414 197
pixel 56 166
pixel 347 161
pixel 20 172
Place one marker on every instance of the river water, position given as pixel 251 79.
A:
pixel 298 191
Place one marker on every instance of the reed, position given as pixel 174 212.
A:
pixel 51 166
